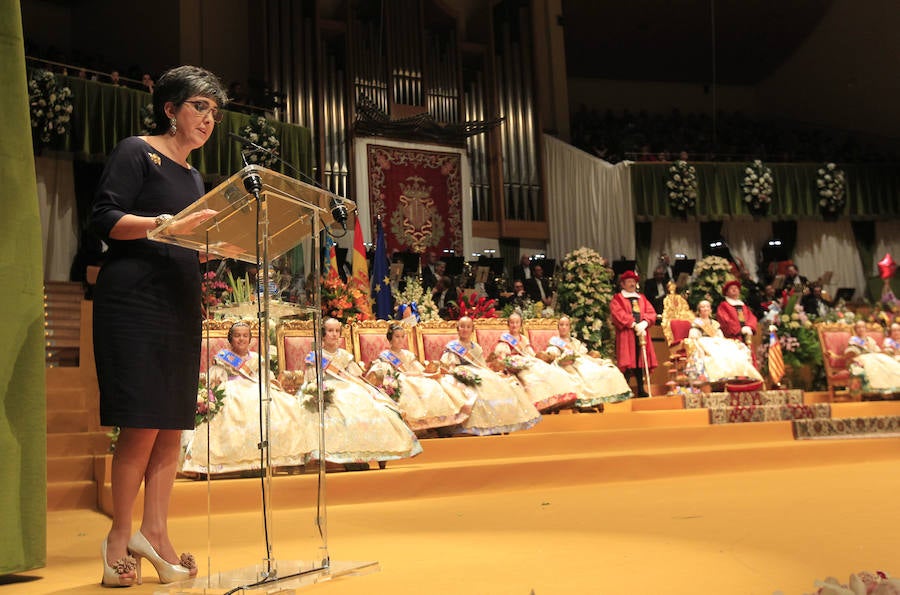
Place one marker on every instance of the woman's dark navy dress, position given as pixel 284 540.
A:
pixel 147 315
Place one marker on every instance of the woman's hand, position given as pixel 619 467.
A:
pixel 189 223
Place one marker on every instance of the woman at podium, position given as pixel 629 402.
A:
pixel 147 317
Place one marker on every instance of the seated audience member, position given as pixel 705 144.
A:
pixel 632 314
pixel 549 386
pixel 522 271
pixel 879 371
pixel 445 297
pixel 518 298
pixel 422 399
pixel 718 358
pixel 600 381
pixel 538 288
pixel 501 406
pixel 361 422
pixel 736 318
pixel 655 288
pixel 815 303
pixel 793 279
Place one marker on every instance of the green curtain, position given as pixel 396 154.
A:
pixel 104 114
pixel 873 191
pixel 23 417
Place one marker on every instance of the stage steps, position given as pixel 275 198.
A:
pixel 564 449
pixel 62 322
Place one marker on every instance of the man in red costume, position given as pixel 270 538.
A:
pixel 632 314
pixel 735 317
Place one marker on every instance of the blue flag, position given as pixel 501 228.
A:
pixel 381 280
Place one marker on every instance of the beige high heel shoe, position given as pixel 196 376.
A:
pixel 112 575
pixel 139 547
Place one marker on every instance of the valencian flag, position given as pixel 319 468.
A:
pixel 360 278
pixel 380 276
pixel 776 358
pixel 330 264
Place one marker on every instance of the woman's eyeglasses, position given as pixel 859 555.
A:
pixel 204 108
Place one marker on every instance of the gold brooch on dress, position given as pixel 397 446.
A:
pixel 155 158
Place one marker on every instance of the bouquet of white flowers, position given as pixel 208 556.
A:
pixel 682 186
pixel 261 132
pixel 51 106
pixel 831 185
pixel 757 187
pixel 710 276
pixel 585 290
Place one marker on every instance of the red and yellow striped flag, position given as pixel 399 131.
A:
pixel 776 359
pixel 360 277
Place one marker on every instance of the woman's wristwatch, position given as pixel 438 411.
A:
pixel 161 219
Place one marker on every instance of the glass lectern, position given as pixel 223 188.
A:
pixel 254 216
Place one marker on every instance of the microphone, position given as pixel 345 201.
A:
pixel 339 211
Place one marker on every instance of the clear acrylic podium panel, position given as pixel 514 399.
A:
pixel 288 204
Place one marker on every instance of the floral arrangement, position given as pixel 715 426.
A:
pixel 148 122
pixel 466 376
pixel 390 384
pixel 682 185
pixel 310 395
pixel 566 359
pixel 710 276
pixel 584 291
pixel 525 307
pixel 860 583
pixel 797 336
pixel 261 132
pixel 414 294
pixel 515 363
pixel 477 307
pixel 831 185
pixel 209 402
pixel 343 301
pixel 757 186
pixel 51 106
pixel 214 292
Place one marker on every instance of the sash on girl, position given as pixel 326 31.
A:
pixel 511 341
pixel 391 358
pixel 311 360
pixel 858 342
pixel 560 343
pixel 230 358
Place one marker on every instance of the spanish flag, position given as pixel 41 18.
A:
pixel 776 359
pixel 360 278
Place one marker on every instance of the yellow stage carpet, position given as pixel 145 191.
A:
pixel 650 502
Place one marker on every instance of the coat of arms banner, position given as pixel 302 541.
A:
pixel 418 194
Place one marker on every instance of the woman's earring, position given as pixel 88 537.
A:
pixel 173 126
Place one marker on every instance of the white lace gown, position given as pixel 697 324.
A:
pixel 361 423
pixel 424 401
pixel 721 359
pixel 600 381
pixel 549 386
pixel 499 406
pixel 880 371
pixel 228 442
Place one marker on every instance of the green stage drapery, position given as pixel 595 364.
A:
pixel 873 191
pixel 23 423
pixel 104 114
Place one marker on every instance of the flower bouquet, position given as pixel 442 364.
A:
pixel 51 106
pixel 831 185
pixel 710 275
pixel 343 301
pixel 414 294
pixel 466 376
pixel 209 403
pixel 391 386
pixel 515 363
pixel 262 133
pixel 682 185
pixel 310 395
pixel 757 186
pixel 477 307
pixel 566 359
pixel 860 583
pixel 148 122
pixel 585 290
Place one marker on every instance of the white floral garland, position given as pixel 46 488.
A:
pixel 585 289
pixel 831 184
pixel 758 185
pixel 148 121
pixel 682 186
pixel 261 132
pixel 51 106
